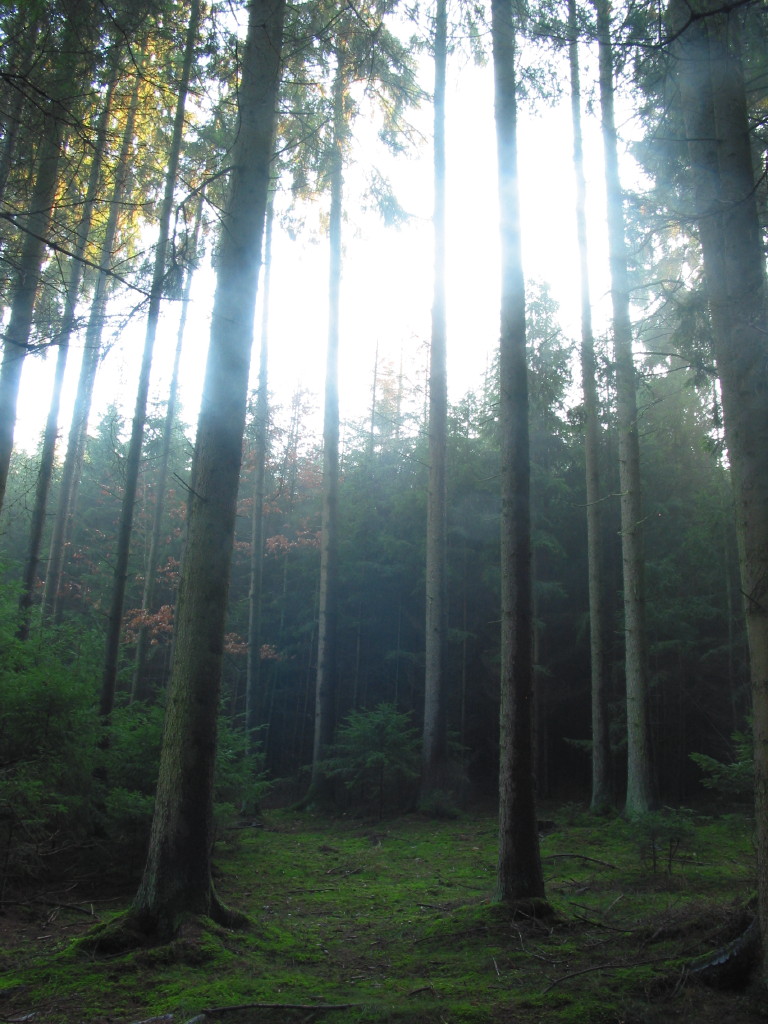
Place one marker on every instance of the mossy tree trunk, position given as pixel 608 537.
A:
pixel 177 876
pixel 709 75
pixel 520 877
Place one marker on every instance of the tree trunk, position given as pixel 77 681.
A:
pixel 17 335
pixel 252 690
pixel 434 751
pixel 70 478
pixel 133 458
pixel 177 875
pixel 711 82
pixel 598 627
pixel 520 876
pixel 45 471
pixel 141 690
pixel 639 787
pixel 325 686
pixel 19 61
pixel 35 226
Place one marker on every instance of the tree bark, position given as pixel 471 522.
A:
pixel 710 78
pixel 133 458
pixel 177 876
pixel 141 690
pixel 598 631
pixel 520 876
pixel 70 477
pixel 253 681
pixel 45 470
pixel 35 225
pixel 639 786
pixel 325 686
pixel 434 750
pixel 19 61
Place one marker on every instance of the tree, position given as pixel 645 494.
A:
pixel 520 877
pixel 325 694
pixel 133 461
pixel 58 112
pixel 45 472
pixel 601 797
pixel 639 786
pixel 140 689
pixel 261 450
pixel 434 754
pixel 709 75
pixel 177 875
pixel 78 427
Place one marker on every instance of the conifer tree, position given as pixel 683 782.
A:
pixel 177 875
pixel 434 753
pixel 636 666
pixel 520 877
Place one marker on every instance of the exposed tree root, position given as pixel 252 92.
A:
pixel 731 966
pixel 138 929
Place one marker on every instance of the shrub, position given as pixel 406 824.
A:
pixel 661 835
pixel 48 736
pixel 376 756
pixel 735 778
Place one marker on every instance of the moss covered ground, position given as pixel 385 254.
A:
pixel 393 921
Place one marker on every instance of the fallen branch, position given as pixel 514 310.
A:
pixel 580 856
pixel 312 1007
pixel 603 967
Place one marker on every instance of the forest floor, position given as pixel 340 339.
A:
pixel 392 921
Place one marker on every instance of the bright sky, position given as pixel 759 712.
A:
pixel 387 276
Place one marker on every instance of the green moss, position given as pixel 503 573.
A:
pixel 396 918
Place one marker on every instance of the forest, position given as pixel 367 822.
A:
pixel 458 611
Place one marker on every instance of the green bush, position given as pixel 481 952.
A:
pixel 48 735
pixel 376 756
pixel 662 835
pixel 64 782
pixel 735 778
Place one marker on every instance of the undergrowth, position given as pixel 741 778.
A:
pixel 388 921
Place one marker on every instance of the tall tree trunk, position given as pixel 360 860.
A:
pixel 325 686
pixel 639 787
pixel 35 226
pixel 177 876
pixel 252 691
pixel 140 689
pixel 598 631
pixel 435 743
pixel 520 876
pixel 70 477
pixel 45 470
pixel 133 458
pixel 711 82
pixel 18 63
pixel 17 335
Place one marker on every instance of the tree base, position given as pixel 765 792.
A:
pixel 138 929
pixel 530 908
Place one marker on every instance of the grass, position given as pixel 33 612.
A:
pixel 393 921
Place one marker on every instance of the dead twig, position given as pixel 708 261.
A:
pixel 311 1007
pixel 602 967
pixel 580 856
